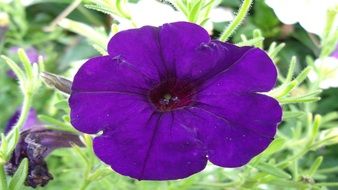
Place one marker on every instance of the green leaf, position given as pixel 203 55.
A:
pixel 302 75
pixel 41 64
pixel 316 125
pixel 88 140
pixel 102 9
pixel 270 169
pixel 26 63
pixel 99 174
pixel 60 125
pixel 316 164
pixel 292 114
pixel 286 184
pixel 81 153
pixel 63 104
pixel 310 97
pixel 20 176
pixel 12 139
pixel 120 8
pixel 203 22
pixel 329 25
pixel 330 117
pixel 298 100
pixel 274 51
pixel 258 34
pixel 291 70
pixel 275 146
pixel 284 89
pixel 194 11
pixel 3 149
pixel 15 68
pixel 182 7
pixel 251 42
pixel 85 30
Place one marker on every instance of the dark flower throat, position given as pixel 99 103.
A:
pixel 171 95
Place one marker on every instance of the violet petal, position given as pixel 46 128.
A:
pixel 165 149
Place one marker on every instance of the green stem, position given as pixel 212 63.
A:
pixel 3 179
pixel 27 102
pixel 237 20
pixel 292 158
pixel 63 14
pixel 85 184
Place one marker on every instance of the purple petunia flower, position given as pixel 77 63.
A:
pixel 168 99
pixel 36 143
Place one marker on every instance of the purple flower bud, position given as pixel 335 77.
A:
pixel 35 143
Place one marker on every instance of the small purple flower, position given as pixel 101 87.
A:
pixel 168 99
pixel 335 52
pixel 36 143
pixel 32 53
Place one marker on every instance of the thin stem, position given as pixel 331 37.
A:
pixel 3 178
pixel 64 14
pixel 85 184
pixel 89 166
pixel 295 170
pixel 27 102
pixel 237 20
pixel 294 157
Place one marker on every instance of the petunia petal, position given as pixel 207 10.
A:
pixel 112 91
pixel 241 126
pixel 198 57
pixel 152 147
pixel 154 51
pixel 103 110
pixel 106 74
pixel 208 60
pixel 253 72
pixel 140 48
pixel 178 41
pixel 257 112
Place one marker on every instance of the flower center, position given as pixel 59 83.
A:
pixel 171 95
